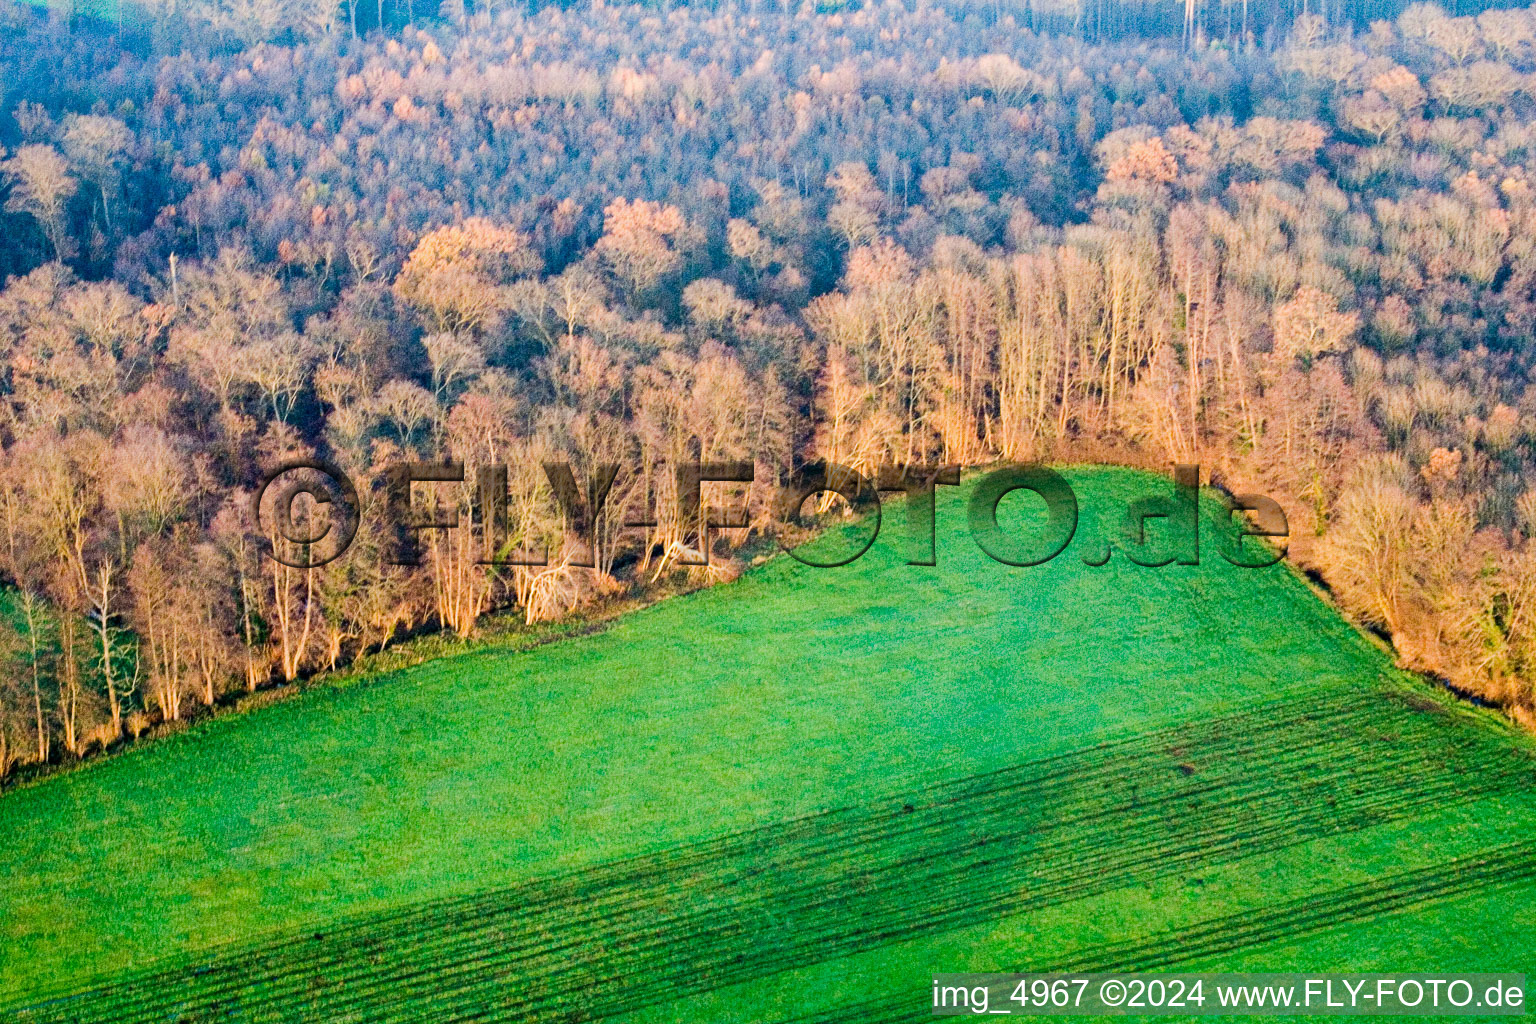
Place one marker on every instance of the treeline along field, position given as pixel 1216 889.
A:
pixel 793 792
pixel 891 235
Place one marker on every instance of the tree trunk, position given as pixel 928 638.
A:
pixel 29 608
pixel 104 632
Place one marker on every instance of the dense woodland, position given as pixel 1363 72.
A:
pixel 1306 261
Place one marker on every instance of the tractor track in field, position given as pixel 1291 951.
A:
pixel 650 928
pixel 1510 864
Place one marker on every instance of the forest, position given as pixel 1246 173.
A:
pixel 1298 250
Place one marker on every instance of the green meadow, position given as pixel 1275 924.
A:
pixel 795 796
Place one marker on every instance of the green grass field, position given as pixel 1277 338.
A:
pixel 794 797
